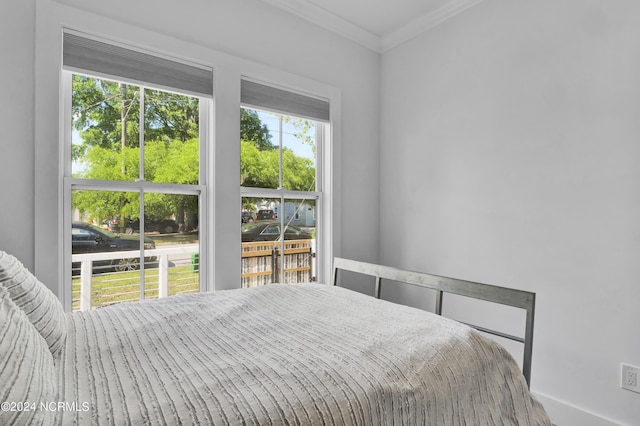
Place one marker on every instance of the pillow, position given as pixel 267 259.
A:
pixel 26 368
pixel 41 306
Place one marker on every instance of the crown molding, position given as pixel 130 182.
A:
pixel 328 21
pixel 379 44
pixel 424 23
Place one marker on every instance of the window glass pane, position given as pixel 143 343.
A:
pixel 277 151
pixel 259 149
pixel 260 233
pixel 298 154
pixel 102 150
pixel 172 222
pixel 272 256
pixel 299 241
pixel 172 145
pixel 105 263
pixel 105 129
pixel 110 241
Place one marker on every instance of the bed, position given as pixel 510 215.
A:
pixel 298 354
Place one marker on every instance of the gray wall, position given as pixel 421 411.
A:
pixel 17 44
pixel 510 154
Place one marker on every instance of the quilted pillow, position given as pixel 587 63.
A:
pixel 41 306
pixel 26 368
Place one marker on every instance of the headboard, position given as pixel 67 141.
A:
pixel 491 293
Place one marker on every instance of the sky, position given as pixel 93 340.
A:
pixel 289 140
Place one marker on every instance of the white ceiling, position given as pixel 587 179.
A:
pixel 376 24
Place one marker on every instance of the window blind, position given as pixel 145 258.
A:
pixel 261 96
pixel 85 54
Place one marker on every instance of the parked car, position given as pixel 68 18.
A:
pixel 247 217
pixel 266 215
pixel 270 231
pixel 87 238
pixel 163 226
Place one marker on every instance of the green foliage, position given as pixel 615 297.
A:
pixel 298 173
pixel 176 162
pixel 169 116
pixel 254 131
pixel 260 159
pixel 258 168
pixel 98 107
pixel 101 108
pixel 261 169
pixel 302 130
pixel 164 163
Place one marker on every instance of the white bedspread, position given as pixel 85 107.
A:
pixel 285 354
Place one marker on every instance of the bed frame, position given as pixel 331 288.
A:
pixel 505 296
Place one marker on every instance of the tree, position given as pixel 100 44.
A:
pixel 260 164
pixel 98 107
pixel 255 131
pixel 169 116
pixel 303 128
pixel 261 169
pixel 106 116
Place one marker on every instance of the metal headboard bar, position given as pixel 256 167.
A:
pixel 491 293
pixel 495 332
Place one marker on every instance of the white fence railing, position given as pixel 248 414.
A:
pixel 162 255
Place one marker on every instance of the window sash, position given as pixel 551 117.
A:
pixel 126 186
pixel 142 186
pixel 284 195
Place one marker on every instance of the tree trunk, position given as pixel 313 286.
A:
pixel 180 218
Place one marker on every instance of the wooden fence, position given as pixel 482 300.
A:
pixel 262 263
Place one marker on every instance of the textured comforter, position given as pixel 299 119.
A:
pixel 285 354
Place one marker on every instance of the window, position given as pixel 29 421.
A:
pixel 282 135
pixel 135 173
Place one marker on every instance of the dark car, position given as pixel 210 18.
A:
pixel 266 215
pixel 163 226
pixel 86 238
pixel 247 217
pixel 270 231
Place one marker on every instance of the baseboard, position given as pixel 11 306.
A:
pixel 563 414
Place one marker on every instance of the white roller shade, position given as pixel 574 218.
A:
pixel 83 54
pixel 261 96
